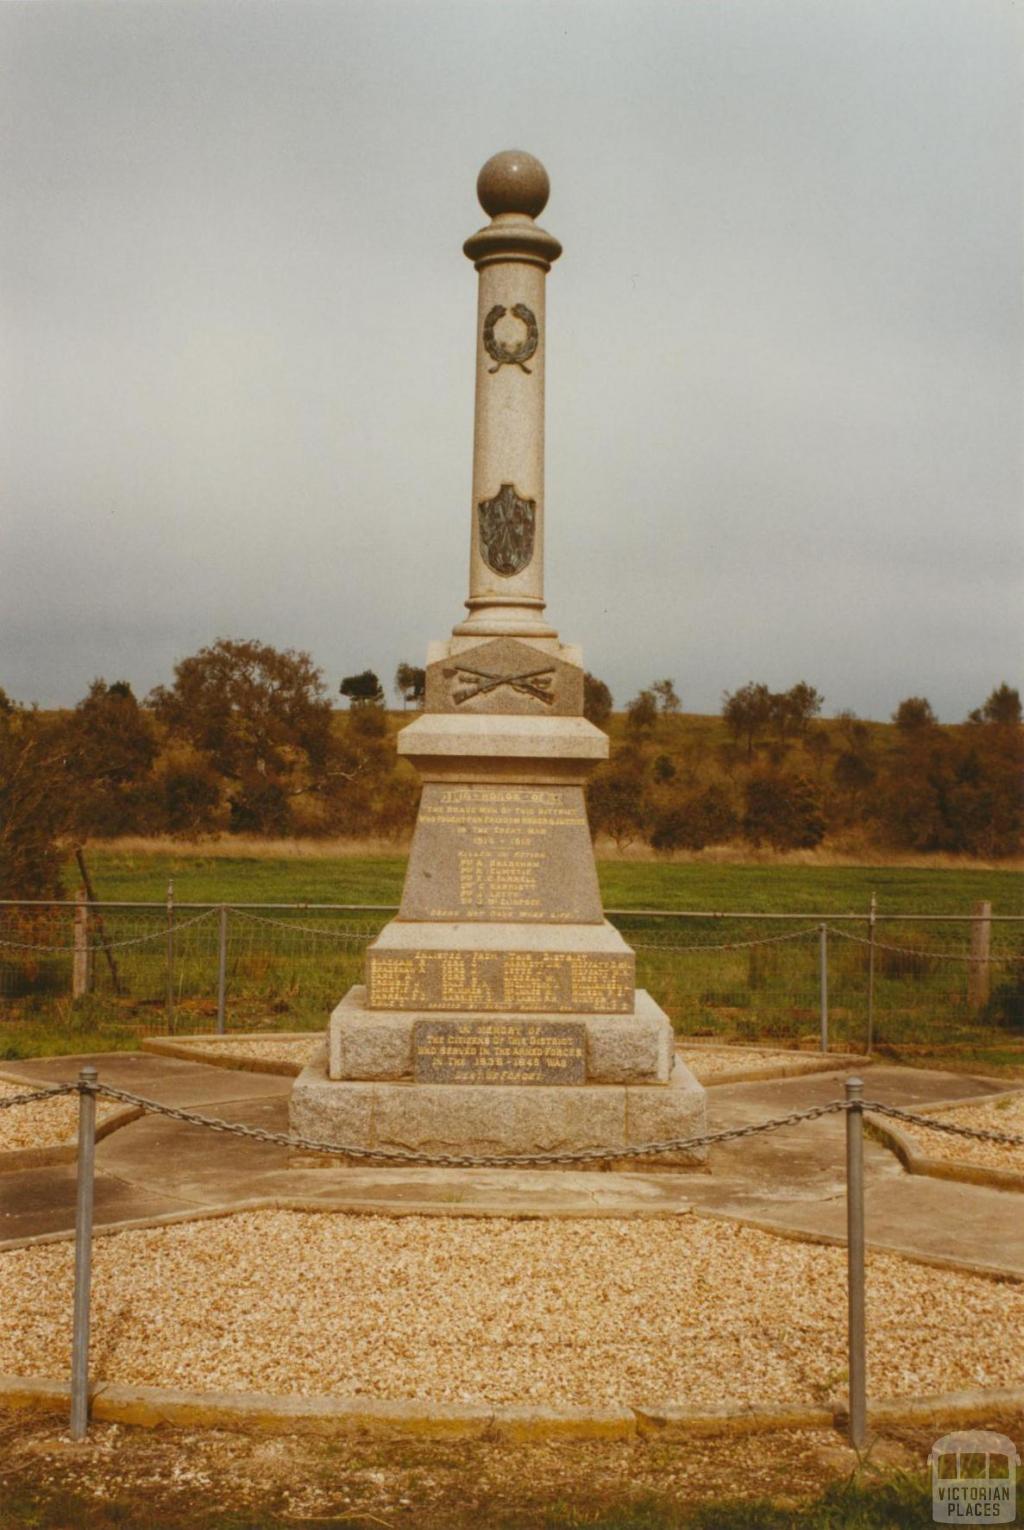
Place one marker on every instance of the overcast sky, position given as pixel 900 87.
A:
pixel 784 341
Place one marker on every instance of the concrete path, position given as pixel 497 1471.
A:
pixel 790 1179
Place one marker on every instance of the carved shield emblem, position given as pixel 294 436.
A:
pixel 506 531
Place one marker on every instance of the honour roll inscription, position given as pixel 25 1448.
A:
pixel 519 853
pixel 499 1052
pixel 528 982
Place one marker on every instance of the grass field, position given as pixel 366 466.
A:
pixel 202 876
pixel 736 978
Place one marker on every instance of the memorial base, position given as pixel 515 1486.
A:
pixel 605 1107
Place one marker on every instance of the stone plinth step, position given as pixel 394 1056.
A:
pixel 499 1119
pixel 471 1047
pixel 518 968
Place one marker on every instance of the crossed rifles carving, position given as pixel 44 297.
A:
pixel 478 682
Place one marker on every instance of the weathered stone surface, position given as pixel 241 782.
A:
pixel 551 741
pixel 634 1050
pixel 517 853
pixel 365 1043
pixel 328 1112
pixel 620 1049
pixel 505 676
pixel 493 1051
pixel 489 1118
pixel 499 1119
pixel 668 1111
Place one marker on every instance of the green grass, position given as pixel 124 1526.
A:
pixel 283 974
pixel 624 884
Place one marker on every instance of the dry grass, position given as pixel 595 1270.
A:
pixel 463 1310
pixel 251 848
pixel 243 847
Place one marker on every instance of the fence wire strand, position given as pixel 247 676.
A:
pixel 174 928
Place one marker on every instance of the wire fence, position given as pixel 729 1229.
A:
pixel 848 981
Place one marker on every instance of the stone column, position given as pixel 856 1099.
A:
pixel 500 1012
pixel 513 256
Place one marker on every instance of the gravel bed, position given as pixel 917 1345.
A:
pixel 501 1311
pixel 716 1063
pixel 269 1049
pixel 44 1123
pixel 707 1063
pixel 1005 1114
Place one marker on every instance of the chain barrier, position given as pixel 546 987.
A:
pixel 115 945
pixel 519 1160
pixel 728 945
pixel 976 1133
pixel 305 929
pixel 459 1160
pixel 6 1101
pixel 365 934
pixel 921 951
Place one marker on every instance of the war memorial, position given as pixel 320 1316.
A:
pixel 499 1013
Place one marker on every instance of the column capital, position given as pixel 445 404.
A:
pixel 513 189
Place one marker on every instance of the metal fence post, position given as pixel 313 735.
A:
pixel 855 1261
pixel 222 968
pixel 83 1253
pixel 169 994
pixel 823 978
pixel 871 973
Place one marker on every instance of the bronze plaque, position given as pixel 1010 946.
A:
pixel 507 524
pixel 499 1052
pixel 519 982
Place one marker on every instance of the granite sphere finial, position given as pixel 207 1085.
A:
pixel 513 182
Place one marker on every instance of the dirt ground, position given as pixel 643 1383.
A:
pixel 183 1480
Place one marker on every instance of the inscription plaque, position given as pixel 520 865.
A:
pixel 510 853
pixel 522 982
pixel 499 1052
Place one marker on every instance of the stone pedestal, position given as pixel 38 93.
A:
pixel 500 1014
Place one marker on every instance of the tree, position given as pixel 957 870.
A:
pixel 856 734
pixel 1003 708
pixel 109 745
pixel 597 700
pixel 260 718
pixel 410 684
pixel 784 810
pixel 363 690
pixel 792 710
pixel 33 804
pixel 914 714
pixel 704 819
pixel 617 801
pixel 747 713
pixel 642 713
pixel 665 693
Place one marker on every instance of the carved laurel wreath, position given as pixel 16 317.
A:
pixel 510 355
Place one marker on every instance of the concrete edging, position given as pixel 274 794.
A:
pixel 958 1170
pixel 148 1407
pixel 179 1047
pixel 12 1159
